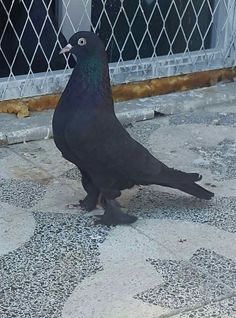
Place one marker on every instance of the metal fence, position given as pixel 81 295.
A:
pixel 144 39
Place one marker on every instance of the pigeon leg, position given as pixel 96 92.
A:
pixel 89 203
pixel 113 214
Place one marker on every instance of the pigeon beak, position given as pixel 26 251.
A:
pixel 66 49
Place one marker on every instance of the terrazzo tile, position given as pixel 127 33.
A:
pixel 166 143
pixel 37 278
pixel 218 266
pixel 222 108
pixel 44 155
pixel 124 255
pixel 109 293
pixel 14 166
pixel 24 194
pixel 141 131
pixel 183 238
pixel 16 227
pixel 73 174
pixel 60 193
pixel 204 117
pixel 225 308
pixel 150 203
pixel 4 152
pixel 185 285
pixel 220 159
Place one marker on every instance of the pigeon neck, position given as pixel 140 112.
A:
pixel 93 73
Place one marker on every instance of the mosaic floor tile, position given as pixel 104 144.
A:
pixel 18 193
pixel 225 308
pixel 220 159
pixel 218 266
pixel 4 152
pixel 44 155
pixel 207 118
pixel 185 285
pixel 219 212
pixel 73 174
pixel 16 227
pixel 37 278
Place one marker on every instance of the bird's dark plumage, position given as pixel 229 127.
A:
pixel 88 134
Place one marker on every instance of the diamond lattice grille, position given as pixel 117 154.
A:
pixel 143 38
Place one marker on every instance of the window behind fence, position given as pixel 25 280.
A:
pixel 143 38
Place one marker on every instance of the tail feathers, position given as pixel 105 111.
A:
pixel 196 190
pixel 184 182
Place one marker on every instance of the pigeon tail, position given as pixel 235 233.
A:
pixel 185 182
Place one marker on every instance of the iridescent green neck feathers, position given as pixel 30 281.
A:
pixel 93 71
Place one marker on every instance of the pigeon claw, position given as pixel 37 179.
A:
pixel 72 206
pixel 89 203
pixel 113 215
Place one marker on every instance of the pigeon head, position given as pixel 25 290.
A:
pixel 91 68
pixel 84 44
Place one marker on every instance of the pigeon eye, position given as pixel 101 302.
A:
pixel 82 41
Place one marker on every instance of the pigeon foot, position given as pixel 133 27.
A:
pixel 113 215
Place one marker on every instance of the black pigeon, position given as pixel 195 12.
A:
pixel 88 134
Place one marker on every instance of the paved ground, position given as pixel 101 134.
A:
pixel 178 260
